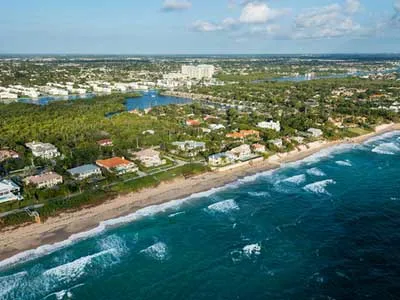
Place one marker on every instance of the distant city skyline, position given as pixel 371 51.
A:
pixel 156 27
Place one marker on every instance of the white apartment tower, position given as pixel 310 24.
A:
pixel 198 72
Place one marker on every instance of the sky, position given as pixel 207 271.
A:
pixel 199 26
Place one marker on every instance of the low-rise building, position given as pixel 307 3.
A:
pixel 43 150
pixel 105 143
pixel 8 154
pixel 241 152
pixel 118 165
pixel 258 148
pixel 276 142
pixel 9 191
pixel 216 126
pixel 45 180
pixel 314 132
pixel 150 158
pixel 243 134
pixel 192 122
pixel 192 148
pixel 270 125
pixel 221 159
pixel 85 171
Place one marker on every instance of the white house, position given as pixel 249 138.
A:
pixel 150 158
pixel 241 152
pixel 314 132
pixel 221 159
pixel 43 150
pixel 9 191
pixel 192 147
pixel 270 125
pixel 276 142
pixel 216 126
pixel 85 171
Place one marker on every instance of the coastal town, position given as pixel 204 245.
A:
pixel 84 145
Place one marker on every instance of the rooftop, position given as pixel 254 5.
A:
pixel 113 162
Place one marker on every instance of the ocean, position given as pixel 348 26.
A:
pixel 326 227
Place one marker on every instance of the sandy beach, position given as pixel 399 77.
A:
pixel 55 229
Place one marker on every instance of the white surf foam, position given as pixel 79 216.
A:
pixel 387 149
pixel 344 163
pixel 323 154
pixel 76 269
pixel 114 243
pixel 297 179
pixel 48 249
pixel 259 194
pixel 384 136
pixel 224 206
pixel 253 249
pixel 158 251
pixel 315 172
pixel 176 214
pixel 10 282
pixel 319 187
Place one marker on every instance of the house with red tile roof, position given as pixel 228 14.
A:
pixel 118 165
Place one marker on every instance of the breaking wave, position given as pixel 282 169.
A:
pixel 387 149
pixel 76 269
pixel 319 187
pixel 344 163
pixel 298 179
pixel 158 251
pixel 259 194
pixel 10 282
pixel 224 206
pixel 253 249
pixel 316 172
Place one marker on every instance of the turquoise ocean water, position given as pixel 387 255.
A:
pixel 323 228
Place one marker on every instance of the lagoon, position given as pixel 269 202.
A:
pixel 151 99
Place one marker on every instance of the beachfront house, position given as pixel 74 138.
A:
pixel 45 180
pixel 315 133
pixel 242 152
pixel 276 142
pixel 150 158
pixel 258 148
pixel 270 125
pixel 85 171
pixel 9 191
pixel 8 154
pixel 191 148
pixel 242 134
pixel 221 159
pixel 43 150
pixel 118 165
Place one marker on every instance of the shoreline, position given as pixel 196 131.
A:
pixel 14 241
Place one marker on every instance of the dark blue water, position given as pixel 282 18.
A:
pixel 151 99
pixel 325 228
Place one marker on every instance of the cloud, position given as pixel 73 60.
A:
pixel 352 6
pixel 396 5
pixel 205 26
pixel 329 21
pixel 176 5
pixel 258 13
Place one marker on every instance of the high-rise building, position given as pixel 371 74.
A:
pixel 198 72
